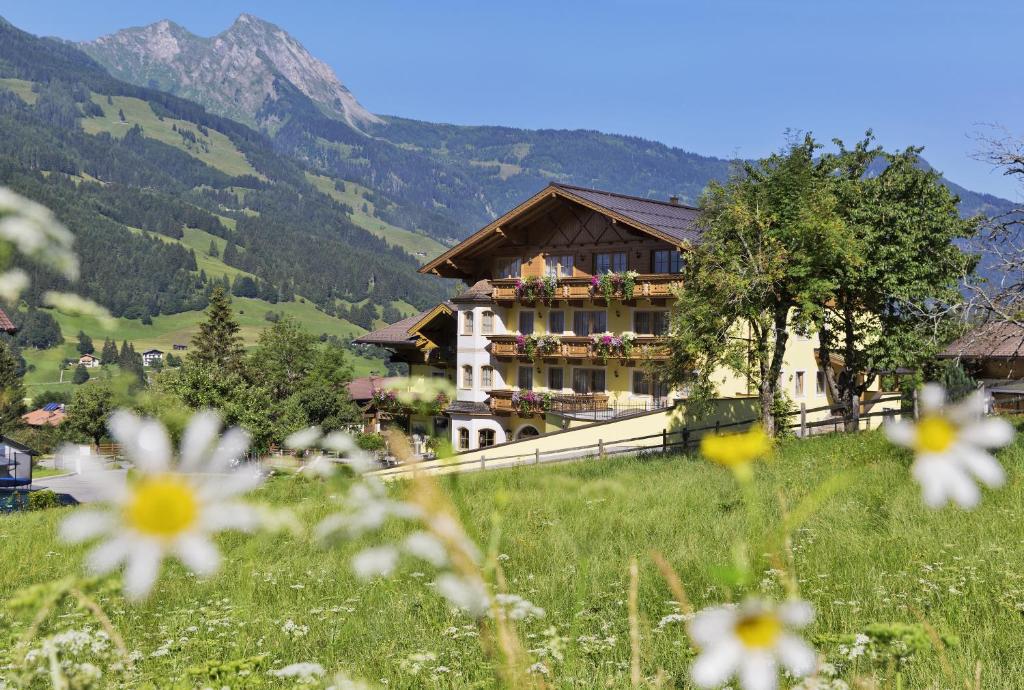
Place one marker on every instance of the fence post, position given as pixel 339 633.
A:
pixel 718 424
pixel 664 440
pixel 803 420
pixel 536 456
pixel 600 449
pixel 483 460
pixel 916 412
pixel 686 440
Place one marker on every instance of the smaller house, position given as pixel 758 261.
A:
pixel 50 414
pixel 6 325
pixel 180 346
pixel 992 353
pixel 151 356
pixel 90 361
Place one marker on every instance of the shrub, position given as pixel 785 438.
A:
pixel 371 441
pixel 43 499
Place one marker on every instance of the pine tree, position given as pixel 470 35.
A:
pixel 120 115
pixel 85 346
pixel 218 342
pixel 109 354
pixel 212 251
pixel 12 392
pixel 81 375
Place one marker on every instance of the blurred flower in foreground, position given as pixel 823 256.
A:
pixel 166 509
pixel 749 642
pixel 949 444
pixel 737 451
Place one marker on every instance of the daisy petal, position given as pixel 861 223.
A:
pixel 198 439
pixel 931 398
pixel 963 490
pixel 230 515
pixel 902 433
pixel 758 671
pixel 988 433
pixel 238 481
pixel 153 447
pixel 83 525
pixel 142 570
pixel 717 663
pixel 796 655
pixel 108 555
pixel 983 466
pixel 796 613
pixel 711 625
pixel 933 474
pixel 968 410
pixel 198 554
pixel 124 427
pixel 232 446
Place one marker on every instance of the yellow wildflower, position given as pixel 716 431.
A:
pixel 736 451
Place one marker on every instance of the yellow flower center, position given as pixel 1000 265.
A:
pixel 162 506
pixel 733 450
pixel 934 434
pixel 758 631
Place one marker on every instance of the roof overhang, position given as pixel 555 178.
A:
pixel 445 266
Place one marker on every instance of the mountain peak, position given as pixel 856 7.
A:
pixel 235 73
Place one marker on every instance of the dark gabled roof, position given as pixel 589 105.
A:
pixel 674 219
pixel 7 441
pixel 6 325
pixel 668 221
pixel 149 352
pixel 396 333
pixel 467 407
pixel 993 340
pixel 481 291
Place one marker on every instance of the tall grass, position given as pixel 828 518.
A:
pixel 871 554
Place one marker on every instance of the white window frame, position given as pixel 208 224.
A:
pixel 467 323
pixel 486 377
pixel 800 384
pixel 487 322
pixel 467 371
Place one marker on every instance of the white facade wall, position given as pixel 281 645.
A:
pixel 472 351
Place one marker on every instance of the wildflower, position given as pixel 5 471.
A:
pixel 304 673
pixel 950 443
pixel 378 561
pixel 166 510
pixel 463 593
pixel 749 641
pixel 736 451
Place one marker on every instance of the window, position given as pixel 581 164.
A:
pixel 556 321
pixel 588 381
pixel 556 378
pixel 467 323
pixel 526 322
pixel 486 376
pixel 559 266
pixel 819 383
pixel 798 384
pixel 463 438
pixel 525 378
pixel 666 261
pixel 645 384
pixel 605 263
pixel 487 322
pixel 467 376
pixel 485 438
pixel 650 322
pixel 509 268
pixel 589 322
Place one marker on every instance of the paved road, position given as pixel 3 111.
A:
pixel 76 487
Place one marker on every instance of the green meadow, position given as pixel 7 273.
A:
pixel 871 558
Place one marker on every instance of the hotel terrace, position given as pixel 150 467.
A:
pixel 565 319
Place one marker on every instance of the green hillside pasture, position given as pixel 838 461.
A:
pixel 219 152
pixel 21 88
pixel 871 554
pixel 419 245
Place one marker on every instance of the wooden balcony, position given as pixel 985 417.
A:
pixel 501 403
pixel 648 286
pixel 645 347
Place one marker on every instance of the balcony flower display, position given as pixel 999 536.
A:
pixel 610 285
pixel 386 400
pixel 390 401
pixel 609 345
pixel 537 345
pixel 529 402
pixel 533 289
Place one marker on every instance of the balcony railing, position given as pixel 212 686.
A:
pixel 580 347
pixel 588 406
pixel 648 286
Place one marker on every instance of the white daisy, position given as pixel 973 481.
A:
pixel 950 443
pixel 749 642
pixel 166 509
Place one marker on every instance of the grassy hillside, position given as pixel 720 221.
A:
pixel 872 554
pixel 419 245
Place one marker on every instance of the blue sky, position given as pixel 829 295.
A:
pixel 722 78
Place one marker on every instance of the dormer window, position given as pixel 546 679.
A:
pixel 509 268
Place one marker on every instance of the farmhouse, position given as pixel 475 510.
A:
pixel 89 361
pixel 149 357
pixel 565 319
pixel 993 353
pixel 50 414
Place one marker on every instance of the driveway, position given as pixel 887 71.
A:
pixel 77 488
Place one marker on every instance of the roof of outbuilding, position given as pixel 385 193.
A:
pixel 993 340
pixel 362 388
pixel 396 333
pixel 6 325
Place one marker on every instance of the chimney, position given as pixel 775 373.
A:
pixel 674 200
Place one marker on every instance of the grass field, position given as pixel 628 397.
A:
pixel 872 554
